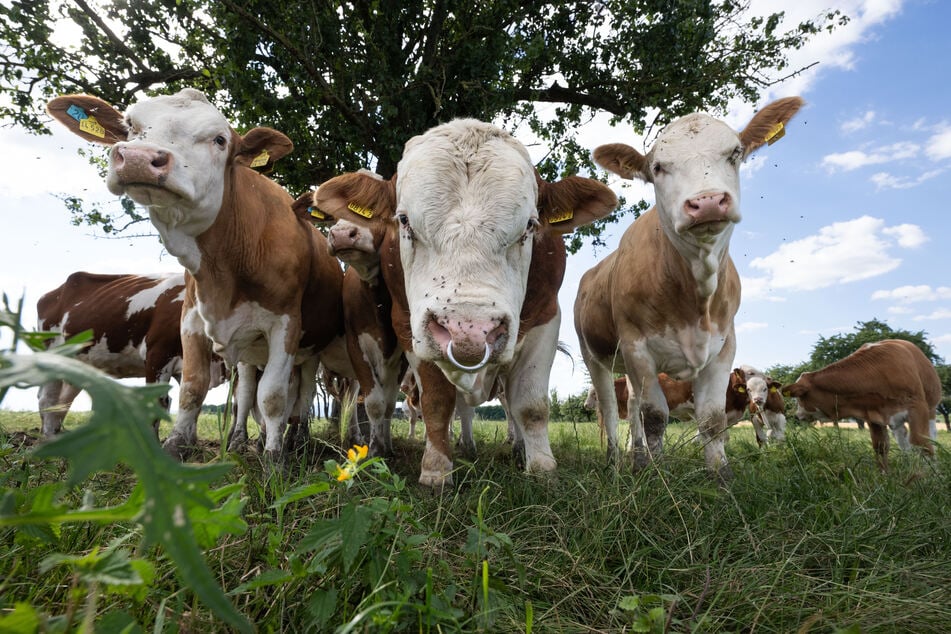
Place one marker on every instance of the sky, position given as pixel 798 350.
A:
pixel 841 221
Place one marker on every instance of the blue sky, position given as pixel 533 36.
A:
pixel 842 218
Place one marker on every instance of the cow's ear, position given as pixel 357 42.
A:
pixel 774 386
pixel 793 390
pixel 360 197
pixel 305 208
pixel 261 147
pixel 623 160
pixel 769 124
pixel 89 117
pixel 574 201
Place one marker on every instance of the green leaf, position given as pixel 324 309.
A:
pixel 120 431
pixel 22 620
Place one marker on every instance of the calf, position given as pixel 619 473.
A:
pixel 264 287
pixel 376 357
pixel 665 300
pixel 473 258
pixel 767 407
pixel 886 384
pixel 134 321
pixel 679 397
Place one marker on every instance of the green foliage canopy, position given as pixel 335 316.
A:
pixel 350 82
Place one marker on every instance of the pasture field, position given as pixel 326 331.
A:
pixel 808 537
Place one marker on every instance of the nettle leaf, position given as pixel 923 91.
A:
pixel 23 619
pixel 120 431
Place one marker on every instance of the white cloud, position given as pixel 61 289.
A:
pixel 941 313
pixel 884 180
pixel 907 235
pixel 840 253
pixel 939 145
pixel 899 310
pixel 854 159
pixel 749 326
pixel 858 123
pixel 912 294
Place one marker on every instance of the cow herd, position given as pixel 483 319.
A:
pixel 450 288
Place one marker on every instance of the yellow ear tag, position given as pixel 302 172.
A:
pixel 261 159
pixel 366 212
pixel 89 125
pixel 316 213
pixel 741 389
pixel 775 133
pixel 773 389
pixel 561 216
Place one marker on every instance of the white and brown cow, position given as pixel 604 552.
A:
pixel 266 289
pixel 665 300
pixel 886 384
pixel 679 398
pixel 375 355
pixel 767 407
pixel 473 258
pixel 134 321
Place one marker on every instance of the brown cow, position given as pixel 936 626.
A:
pixel 665 300
pixel 473 257
pixel 679 397
pixel 266 288
pixel 886 384
pixel 134 321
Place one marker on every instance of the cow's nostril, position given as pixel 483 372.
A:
pixel 160 160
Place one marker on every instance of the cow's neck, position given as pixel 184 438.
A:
pixel 178 228
pixel 705 258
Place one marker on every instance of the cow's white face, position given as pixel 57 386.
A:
pixel 175 156
pixel 695 168
pixel 758 390
pixel 466 206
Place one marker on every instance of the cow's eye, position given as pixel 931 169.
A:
pixel 220 141
pixel 735 156
pixel 532 225
pixel 658 169
pixel 403 220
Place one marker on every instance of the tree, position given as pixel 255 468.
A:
pixel 350 82
pixel 830 349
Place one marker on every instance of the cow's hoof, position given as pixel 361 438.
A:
pixel 178 448
pixel 641 459
pixel 435 470
pixel 723 475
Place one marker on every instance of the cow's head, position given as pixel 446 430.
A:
pixel 467 206
pixel 694 166
pixel 759 388
pixel 170 153
pixel 357 244
pixel 806 409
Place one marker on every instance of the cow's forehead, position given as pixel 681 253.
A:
pixel 184 110
pixel 695 133
pixel 465 165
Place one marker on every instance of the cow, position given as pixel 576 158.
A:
pixel 376 357
pixel 767 407
pixel 885 383
pixel 473 257
pixel 266 289
pixel 665 299
pixel 679 397
pixel 134 321
pixel 411 404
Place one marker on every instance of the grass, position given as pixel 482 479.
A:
pixel 808 537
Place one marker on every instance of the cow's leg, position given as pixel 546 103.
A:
pixel 777 426
pixel 602 381
pixel 437 398
pixel 380 398
pixel 919 428
pixel 709 390
pixel 526 391
pixel 897 425
pixel 154 373
pixel 879 434
pixel 245 393
pixel 275 382
pixel 196 377
pixel 758 427
pixel 54 400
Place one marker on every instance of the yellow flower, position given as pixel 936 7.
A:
pixel 359 452
pixel 344 473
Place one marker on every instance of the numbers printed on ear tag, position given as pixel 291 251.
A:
pixel 316 213
pixel 366 212
pixel 261 159
pixel 76 112
pixel 561 216
pixel 89 125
